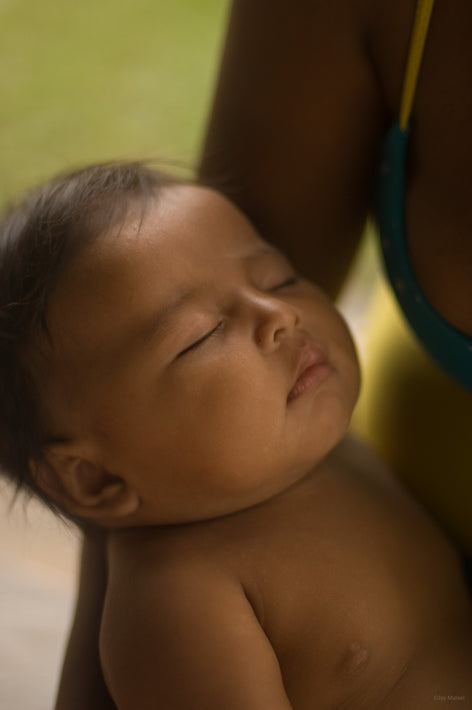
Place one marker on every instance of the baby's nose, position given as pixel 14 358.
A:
pixel 274 319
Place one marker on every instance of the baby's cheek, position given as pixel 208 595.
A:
pixel 245 413
pixel 346 357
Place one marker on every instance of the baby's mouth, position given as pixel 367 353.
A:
pixel 313 368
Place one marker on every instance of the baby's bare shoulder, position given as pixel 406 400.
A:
pixel 165 561
pixel 179 632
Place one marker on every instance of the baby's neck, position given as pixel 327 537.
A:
pixel 341 455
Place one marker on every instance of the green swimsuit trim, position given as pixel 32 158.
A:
pixel 451 348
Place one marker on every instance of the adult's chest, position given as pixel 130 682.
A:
pixel 438 209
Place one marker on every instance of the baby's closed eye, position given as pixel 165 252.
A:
pixel 289 281
pixel 200 340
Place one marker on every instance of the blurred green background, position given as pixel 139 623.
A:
pixel 95 80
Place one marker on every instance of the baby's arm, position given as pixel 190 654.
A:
pixel 82 685
pixel 189 639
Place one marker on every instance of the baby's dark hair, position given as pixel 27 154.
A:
pixel 38 237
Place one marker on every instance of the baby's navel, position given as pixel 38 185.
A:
pixel 354 659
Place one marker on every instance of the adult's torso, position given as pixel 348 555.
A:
pixel 438 206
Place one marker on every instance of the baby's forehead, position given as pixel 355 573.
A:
pixel 187 232
pixel 185 221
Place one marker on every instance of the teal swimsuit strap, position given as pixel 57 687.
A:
pixel 451 348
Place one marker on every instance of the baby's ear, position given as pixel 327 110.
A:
pixel 74 478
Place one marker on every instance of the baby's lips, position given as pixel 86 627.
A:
pixel 312 366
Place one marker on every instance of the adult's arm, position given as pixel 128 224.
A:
pixel 82 684
pixel 294 128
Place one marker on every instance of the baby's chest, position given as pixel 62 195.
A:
pixel 327 606
pixel 344 604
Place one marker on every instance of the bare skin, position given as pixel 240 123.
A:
pixel 340 592
pixel 82 682
pixel 201 400
pixel 294 134
pixel 306 91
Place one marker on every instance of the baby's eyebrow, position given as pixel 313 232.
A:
pixel 262 250
pixel 156 324
pixel 265 250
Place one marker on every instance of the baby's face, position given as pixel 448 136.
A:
pixel 206 372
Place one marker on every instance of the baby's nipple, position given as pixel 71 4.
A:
pixel 354 660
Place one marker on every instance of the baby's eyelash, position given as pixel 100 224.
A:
pixel 198 342
pixel 291 281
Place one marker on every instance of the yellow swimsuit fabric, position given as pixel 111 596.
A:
pixel 424 10
pixel 416 416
